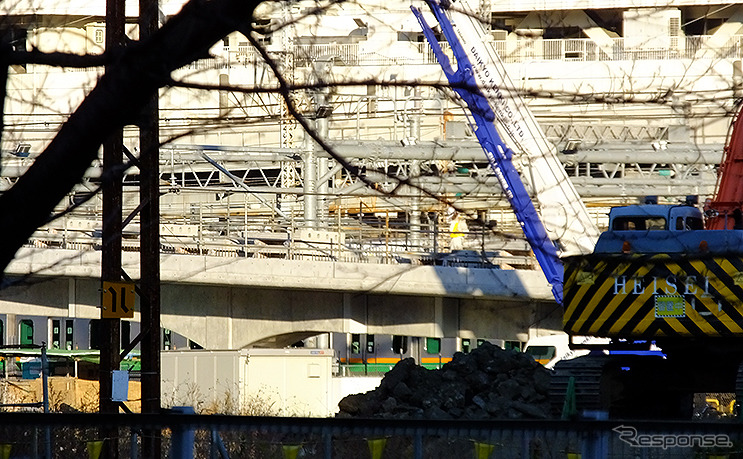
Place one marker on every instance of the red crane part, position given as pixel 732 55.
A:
pixel 725 210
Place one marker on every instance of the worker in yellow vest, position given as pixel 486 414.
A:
pixel 458 229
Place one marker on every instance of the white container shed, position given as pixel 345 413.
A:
pixel 287 382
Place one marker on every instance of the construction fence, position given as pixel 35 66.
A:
pixel 215 436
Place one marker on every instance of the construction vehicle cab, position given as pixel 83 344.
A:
pixel 664 229
pixel 654 217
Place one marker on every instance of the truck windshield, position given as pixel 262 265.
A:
pixel 636 223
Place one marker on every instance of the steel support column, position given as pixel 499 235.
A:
pixel 150 243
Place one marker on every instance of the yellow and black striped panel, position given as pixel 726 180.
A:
pixel 651 296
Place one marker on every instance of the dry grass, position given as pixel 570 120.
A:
pixel 65 394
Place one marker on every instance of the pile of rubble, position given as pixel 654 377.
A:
pixel 488 383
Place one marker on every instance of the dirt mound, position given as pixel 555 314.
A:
pixel 488 383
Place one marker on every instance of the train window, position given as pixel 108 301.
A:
pixel 370 344
pixel 167 339
pixel 542 354
pixel 466 346
pixel 27 332
pixel 68 335
pixel 95 333
pixel 56 334
pixel 433 345
pixel 126 331
pixel 516 345
pixel 355 343
pixel 399 344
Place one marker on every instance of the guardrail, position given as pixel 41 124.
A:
pixel 348 240
pixel 188 436
pixel 522 49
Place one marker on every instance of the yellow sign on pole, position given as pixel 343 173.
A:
pixel 118 300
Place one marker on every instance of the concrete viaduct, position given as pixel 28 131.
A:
pixel 231 303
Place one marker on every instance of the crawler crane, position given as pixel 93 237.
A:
pixel 662 274
pixel 656 277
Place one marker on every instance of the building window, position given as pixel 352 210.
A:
pixel 262 28
pixel 99 36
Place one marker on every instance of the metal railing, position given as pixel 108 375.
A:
pixel 199 436
pixel 523 49
pixel 217 231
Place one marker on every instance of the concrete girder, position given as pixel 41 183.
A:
pixel 229 303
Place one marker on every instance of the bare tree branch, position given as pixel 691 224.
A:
pixel 57 59
pixel 285 89
pixel 117 100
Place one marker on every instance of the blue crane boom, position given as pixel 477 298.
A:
pixel 499 155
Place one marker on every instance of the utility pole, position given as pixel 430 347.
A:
pixel 112 198
pixel 112 292
pixel 111 251
pixel 149 195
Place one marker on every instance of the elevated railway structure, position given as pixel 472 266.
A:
pixel 229 230
pixel 233 187
pixel 234 302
